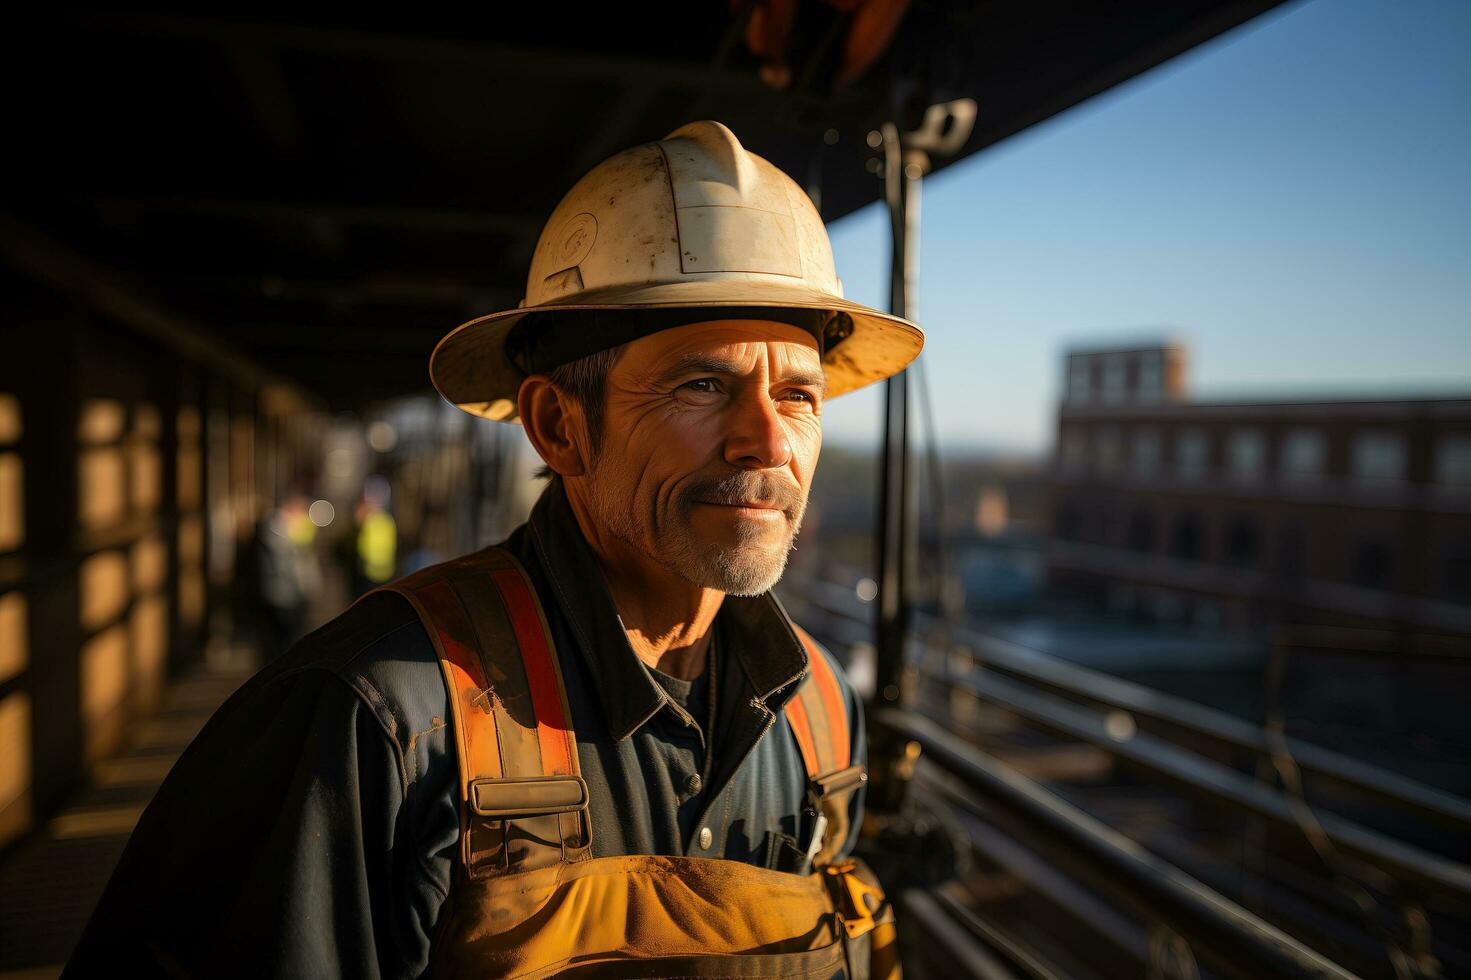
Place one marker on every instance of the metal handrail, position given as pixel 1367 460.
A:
pixel 1046 671
pixel 1018 956
pixel 1433 875
pixel 1445 809
pixel 1240 944
pixel 963 954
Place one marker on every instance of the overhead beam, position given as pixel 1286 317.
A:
pixel 439 292
pixel 612 132
pixel 318 338
pixel 520 60
pixel 353 379
pixel 270 99
pixel 73 274
pixel 379 215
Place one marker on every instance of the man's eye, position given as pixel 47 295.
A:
pixel 700 384
pixel 801 396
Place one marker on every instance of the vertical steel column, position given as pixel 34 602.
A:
pixel 901 193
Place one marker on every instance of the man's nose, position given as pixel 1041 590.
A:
pixel 757 437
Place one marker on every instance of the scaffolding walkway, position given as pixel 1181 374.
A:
pixel 50 882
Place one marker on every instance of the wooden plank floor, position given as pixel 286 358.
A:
pixel 50 882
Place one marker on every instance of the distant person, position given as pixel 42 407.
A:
pixel 601 745
pixel 377 536
pixel 286 574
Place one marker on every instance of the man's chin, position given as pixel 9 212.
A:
pixel 734 571
pixel 751 584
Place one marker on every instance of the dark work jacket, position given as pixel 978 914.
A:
pixel 311 829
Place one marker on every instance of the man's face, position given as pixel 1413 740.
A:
pixel 710 435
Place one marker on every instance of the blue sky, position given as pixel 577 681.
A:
pixel 1292 199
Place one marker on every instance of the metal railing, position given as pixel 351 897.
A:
pixel 1237 942
pixel 1334 855
pixel 1213 728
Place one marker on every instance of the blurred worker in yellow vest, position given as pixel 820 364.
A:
pixel 377 537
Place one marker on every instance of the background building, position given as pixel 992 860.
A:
pixel 1332 512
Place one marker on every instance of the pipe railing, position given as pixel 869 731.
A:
pixel 1424 873
pixel 1210 726
pixel 1238 943
pixel 1078 704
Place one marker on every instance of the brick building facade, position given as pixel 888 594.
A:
pixel 1249 514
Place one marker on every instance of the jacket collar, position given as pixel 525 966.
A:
pixel 757 632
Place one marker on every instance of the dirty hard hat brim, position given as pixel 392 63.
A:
pixel 473 369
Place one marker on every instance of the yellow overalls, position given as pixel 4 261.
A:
pixel 528 898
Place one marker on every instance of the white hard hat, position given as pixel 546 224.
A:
pixel 687 229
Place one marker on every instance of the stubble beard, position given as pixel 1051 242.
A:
pixel 747 568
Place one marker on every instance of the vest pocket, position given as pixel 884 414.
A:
pixel 783 854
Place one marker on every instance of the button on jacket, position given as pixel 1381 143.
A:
pixel 312 827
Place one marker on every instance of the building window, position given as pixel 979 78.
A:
pixel 1142 527
pixel 1098 525
pixel 1304 455
pixel 1453 460
pixel 1069 522
pixel 1247 454
pixel 1151 376
pixel 1242 542
pixel 1109 448
pixel 1074 449
pixel 1192 454
pixel 1187 537
pixel 1144 454
pixel 1079 379
pixel 1455 571
pixel 1379 456
pixel 1371 564
pixel 1292 552
pixel 1113 378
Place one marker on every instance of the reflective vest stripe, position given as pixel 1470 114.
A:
pixel 440 608
pixel 507 695
pixel 835 709
pixel 822 731
pixel 802 729
pixel 528 733
pixel 558 754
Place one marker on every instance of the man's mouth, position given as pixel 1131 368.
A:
pixel 751 508
pixel 761 498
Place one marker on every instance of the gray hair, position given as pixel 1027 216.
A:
pixel 585 382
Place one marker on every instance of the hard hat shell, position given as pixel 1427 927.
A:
pixel 689 228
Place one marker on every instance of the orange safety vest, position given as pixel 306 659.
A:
pixel 530 900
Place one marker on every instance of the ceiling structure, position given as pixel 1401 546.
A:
pixel 329 196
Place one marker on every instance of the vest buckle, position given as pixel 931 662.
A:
pixel 856 900
pixel 830 784
pixel 521 797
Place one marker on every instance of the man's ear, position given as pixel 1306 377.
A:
pixel 553 423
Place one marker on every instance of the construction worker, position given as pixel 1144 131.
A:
pixel 601 747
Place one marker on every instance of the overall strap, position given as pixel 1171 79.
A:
pixel 818 717
pixel 523 800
